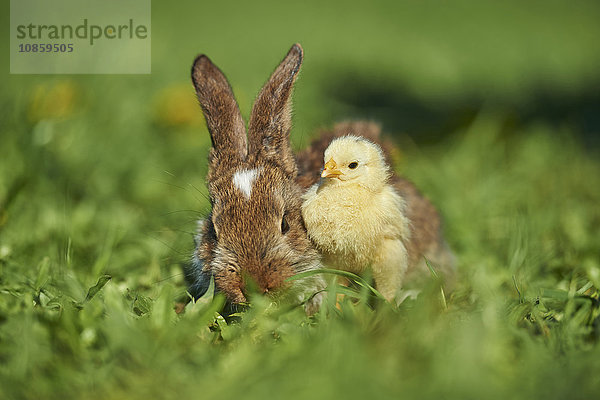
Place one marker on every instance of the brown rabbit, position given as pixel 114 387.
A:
pixel 255 230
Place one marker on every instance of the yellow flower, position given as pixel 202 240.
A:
pixel 55 100
pixel 176 106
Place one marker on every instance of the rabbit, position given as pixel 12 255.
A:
pixel 254 232
pixel 423 239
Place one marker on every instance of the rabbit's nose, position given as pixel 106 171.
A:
pixel 266 290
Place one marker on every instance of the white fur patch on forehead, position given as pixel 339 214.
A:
pixel 244 179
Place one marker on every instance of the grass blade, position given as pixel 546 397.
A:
pixel 93 291
pixel 353 277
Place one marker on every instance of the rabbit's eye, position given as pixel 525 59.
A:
pixel 353 165
pixel 284 225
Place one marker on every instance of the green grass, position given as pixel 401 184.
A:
pixel 102 179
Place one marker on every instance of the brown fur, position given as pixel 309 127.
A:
pixel 222 114
pixel 258 237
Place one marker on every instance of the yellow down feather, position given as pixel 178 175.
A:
pixel 355 218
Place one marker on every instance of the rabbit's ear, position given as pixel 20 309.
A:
pixel 221 111
pixel 270 121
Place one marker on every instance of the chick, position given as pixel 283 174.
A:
pixel 355 217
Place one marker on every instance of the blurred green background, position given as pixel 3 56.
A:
pixel 495 107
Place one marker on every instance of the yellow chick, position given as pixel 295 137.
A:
pixel 355 217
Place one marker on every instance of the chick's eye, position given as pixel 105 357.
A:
pixel 353 165
pixel 284 225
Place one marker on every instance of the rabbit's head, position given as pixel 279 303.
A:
pixel 254 234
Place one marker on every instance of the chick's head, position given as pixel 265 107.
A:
pixel 355 160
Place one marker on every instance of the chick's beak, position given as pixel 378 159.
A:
pixel 330 170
